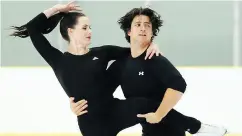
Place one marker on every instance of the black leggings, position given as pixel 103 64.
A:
pixel 122 114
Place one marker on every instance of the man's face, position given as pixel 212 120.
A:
pixel 141 30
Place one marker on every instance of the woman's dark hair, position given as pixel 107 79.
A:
pixel 126 21
pixel 67 20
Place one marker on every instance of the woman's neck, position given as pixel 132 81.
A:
pixel 77 49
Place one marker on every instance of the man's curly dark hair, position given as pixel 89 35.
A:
pixel 126 21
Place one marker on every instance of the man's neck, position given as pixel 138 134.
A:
pixel 137 49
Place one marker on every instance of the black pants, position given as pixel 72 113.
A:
pixel 173 124
pixel 161 129
pixel 121 114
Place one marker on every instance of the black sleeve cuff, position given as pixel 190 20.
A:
pixel 179 85
pixel 40 22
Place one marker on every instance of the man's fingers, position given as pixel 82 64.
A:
pixel 78 110
pixel 71 99
pixel 81 108
pixel 79 105
pixel 141 115
pixel 83 112
pixel 75 104
pixel 84 107
pixel 81 102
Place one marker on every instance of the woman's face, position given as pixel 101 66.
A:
pixel 81 33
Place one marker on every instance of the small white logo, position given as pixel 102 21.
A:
pixel 141 73
pixel 95 58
